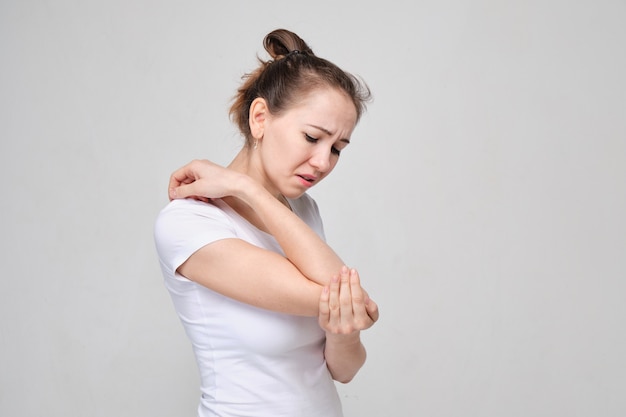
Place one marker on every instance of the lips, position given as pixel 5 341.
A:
pixel 307 180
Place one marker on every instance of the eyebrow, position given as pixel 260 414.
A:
pixel 329 133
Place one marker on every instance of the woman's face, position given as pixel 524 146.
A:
pixel 302 145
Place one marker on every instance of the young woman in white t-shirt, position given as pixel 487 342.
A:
pixel 273 314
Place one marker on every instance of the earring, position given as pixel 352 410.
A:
pixel 256 143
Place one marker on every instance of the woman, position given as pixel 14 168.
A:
pixel 273 314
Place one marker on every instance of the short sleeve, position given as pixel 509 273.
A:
pixel 184 226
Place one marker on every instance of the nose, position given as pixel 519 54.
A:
pixel 320 160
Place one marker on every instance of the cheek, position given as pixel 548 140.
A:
pixel 298 153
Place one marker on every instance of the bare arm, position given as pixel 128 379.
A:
pixel 297 284
pixel 242 271
pixel 345 310
pixel 302 246
pixel 254 276
pixel 313 258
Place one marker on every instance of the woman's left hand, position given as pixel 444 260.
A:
pixel 345 307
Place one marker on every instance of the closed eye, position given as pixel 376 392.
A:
pixel 311 139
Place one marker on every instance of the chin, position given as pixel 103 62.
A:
pixel 294 195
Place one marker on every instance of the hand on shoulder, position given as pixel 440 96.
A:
pixel 202 180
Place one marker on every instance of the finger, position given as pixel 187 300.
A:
pixel 183 175
pixel 324 310
pixel 333 303
pixel 358 295
pixel 345 297
pixel 171 188
pixel 203 199
pixel 186 190
pixel 372 309
pixel 184 172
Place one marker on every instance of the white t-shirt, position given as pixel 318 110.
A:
pixel 253 362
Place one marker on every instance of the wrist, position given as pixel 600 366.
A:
pixel 257 197
pixel 343 340
pixel 245 187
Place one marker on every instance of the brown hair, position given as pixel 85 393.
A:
pixel 293 71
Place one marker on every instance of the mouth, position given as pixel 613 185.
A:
pixel 307 179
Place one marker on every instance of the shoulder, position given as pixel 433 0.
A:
pixel 185 225
pixel 188 208
pixel 191 212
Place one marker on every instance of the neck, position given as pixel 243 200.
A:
pixel 242 161
pixel 246 163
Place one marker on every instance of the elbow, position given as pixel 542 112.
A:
pixel 345 376
pixel 344 379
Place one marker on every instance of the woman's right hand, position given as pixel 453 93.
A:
pixel 203 180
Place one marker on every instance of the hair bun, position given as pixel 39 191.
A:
pixel 282 42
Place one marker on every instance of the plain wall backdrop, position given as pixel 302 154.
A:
pixel 483 198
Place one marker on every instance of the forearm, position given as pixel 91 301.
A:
pixel 345 355
pixel 302 246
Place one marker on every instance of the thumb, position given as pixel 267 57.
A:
pixel 183 191
pixel 372 309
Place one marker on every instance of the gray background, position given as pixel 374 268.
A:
pixel 482 199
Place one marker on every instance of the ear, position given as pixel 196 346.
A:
pixel 257 117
